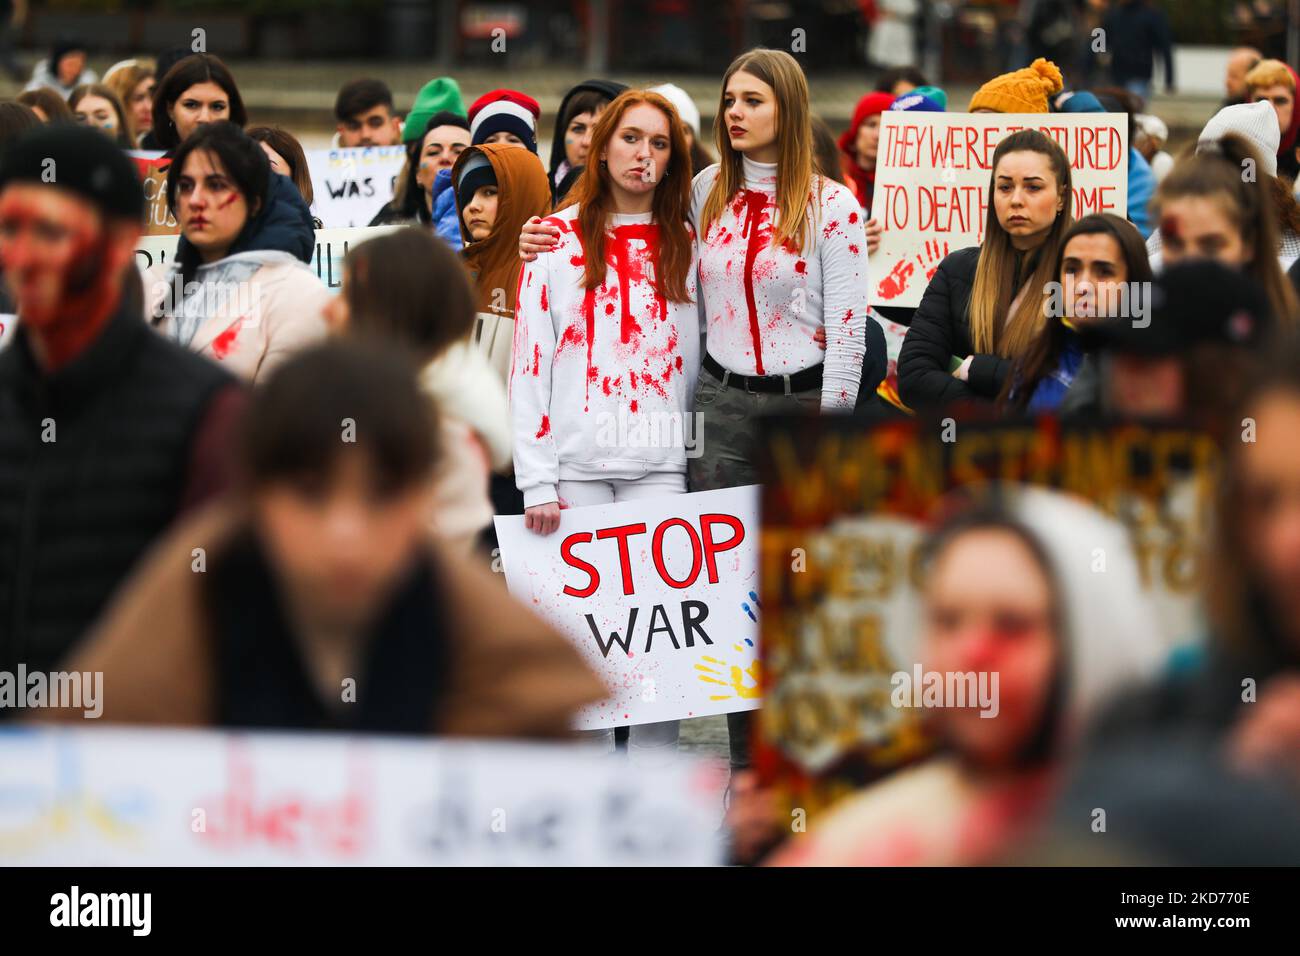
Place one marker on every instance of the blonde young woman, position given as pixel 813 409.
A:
pixel 985 305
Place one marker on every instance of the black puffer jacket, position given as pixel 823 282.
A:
pixel 940 331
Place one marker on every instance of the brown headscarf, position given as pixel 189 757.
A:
pixel 523 192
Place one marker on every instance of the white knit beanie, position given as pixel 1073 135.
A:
pixel 682 102
pixel 1256 122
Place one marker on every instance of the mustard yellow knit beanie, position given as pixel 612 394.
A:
pixel 1024 91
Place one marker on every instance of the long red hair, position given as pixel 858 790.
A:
pixel 593 193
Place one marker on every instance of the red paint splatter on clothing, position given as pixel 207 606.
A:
pixel 848 316
pixel 589 313
pixel 545 428
pixel 801 267
pixel 753 203
pixel 853 217
pixel 545 307
pixel 853 249
pixel 830 227
pixel 633 406
pixel 224 342
pixel 537 358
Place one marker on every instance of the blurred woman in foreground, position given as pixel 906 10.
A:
pixel 1008 593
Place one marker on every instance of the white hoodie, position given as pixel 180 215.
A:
pixel 602 381
pixel 764 303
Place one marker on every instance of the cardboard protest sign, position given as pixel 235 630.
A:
pixel 352 185
pixel 152 167
pixel 108 797
pixel 847 509
pixel 932 179
pixel 660 596
pixel 331 246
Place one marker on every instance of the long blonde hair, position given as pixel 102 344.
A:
pixel 992 329
pixel 794 169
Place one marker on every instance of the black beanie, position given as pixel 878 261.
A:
pixel 476 174
pixel 80 159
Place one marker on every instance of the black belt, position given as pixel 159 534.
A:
pixel 800 381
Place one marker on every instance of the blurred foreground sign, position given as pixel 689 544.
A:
pixel 660 596
pixel 847 511
pixel 198 798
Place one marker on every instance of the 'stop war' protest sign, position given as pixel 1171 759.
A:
pixel 660 596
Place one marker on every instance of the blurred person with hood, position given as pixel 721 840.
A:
pixel 107 431
pixel 239 288
pixel 325 602
pixel 574 123
pixel 63 70
pixel 408 288
pixel 1009 591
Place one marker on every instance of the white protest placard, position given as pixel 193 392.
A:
pixel 660 596
pixel 118 797
pixel 932 182
pixel 351 185
pixel 331 246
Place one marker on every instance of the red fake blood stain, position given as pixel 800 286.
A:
pixel 224 342
pixel 801 267
pixel 537 358
pixel 853 217
pixel 754 203
pixel 895 284
pixel 1169 228
pixel 545 428
pixel 633 406
pixel 853 250
pixel 589 314
pixel 545 307
pixel 830 227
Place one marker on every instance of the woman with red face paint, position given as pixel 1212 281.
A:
pixel 1010 601
pixel 606 342
pixel 238 288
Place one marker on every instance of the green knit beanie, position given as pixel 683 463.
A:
pixel 435 96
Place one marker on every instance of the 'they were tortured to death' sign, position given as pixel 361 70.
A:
pixel 115 797
pixel 660 596
pixel 932 184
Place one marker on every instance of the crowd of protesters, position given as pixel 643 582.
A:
pixel 149 429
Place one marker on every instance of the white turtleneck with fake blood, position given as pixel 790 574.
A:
pixel 765 303
pixel 601 380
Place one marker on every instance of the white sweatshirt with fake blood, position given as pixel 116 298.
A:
pixel 602 381
pixel 765 303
